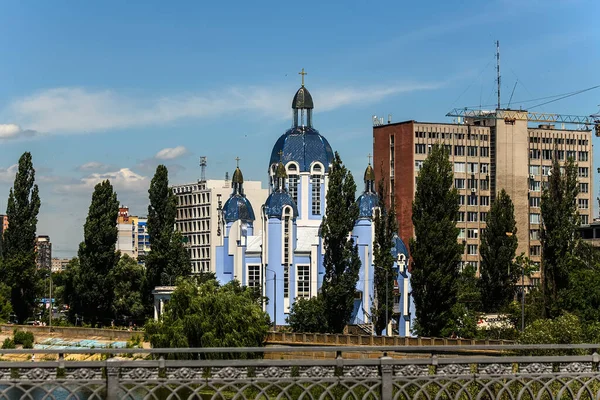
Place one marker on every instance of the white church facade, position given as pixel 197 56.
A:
pixel 276 245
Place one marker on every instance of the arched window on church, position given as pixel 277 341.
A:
pixel 315 180
pixel 292 181
pixel 287 249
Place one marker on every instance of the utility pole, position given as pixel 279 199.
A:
pixel 387 304
pixel 50 319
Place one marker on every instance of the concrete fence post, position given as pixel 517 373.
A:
pixel 112 379
pixel 386 372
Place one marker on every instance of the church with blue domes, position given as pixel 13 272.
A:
pixel 276 246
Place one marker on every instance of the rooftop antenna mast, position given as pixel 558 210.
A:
pixel 203 169
pixel 498 69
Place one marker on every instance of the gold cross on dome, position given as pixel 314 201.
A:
pixel 237 161
pixel 280 154
pixel 302 73
pixel 370 156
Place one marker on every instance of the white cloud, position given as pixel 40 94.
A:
pixel 79 110
pixel 171 153
pixel 123 180
pixel 7 175
pixel 13 131
pixel 93 166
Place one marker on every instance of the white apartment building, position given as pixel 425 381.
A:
pixel 198 219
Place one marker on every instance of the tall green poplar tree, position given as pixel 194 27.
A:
pixel 560 231
pixel 341 260
pixel 435 250
pixel 385 229
pixel 93 283
pixel 498 246
pixel 19 268
pixel 168 258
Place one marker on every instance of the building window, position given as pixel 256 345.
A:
pixel 293 187
pixel 472 233
pixel 583 156
pixel 459 150
pixel 472 168
pixel 547 154
pixel 472 200
pixel 254 276
pixel 560 154
pixel 584 219
pixel 472 184
pixel 459 183
pixel 460 217
pixel 472 151
pixel 534 218
pixel 546 170
pixel 316 194
pixel 484 168
pixel 420 148
pixel 286 236
pixel 303 281
pixel 459 167
pixel 534 202
pixel 583 172
pixel 582 204
pixel 471 216
pixel 484 184
pixel 461 233
pixel 534 170
pixel 572 154
pixel 418 165
pixel 535 186
pixel 484 151
pixel 584 187
pixel 472 249
pixel 534 234
pixel 461 200
pixel 484 200
pixel 534 154
pixel 535 250
pixel 483 216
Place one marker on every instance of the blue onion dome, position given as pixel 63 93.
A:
pixel 302 143
pixel 368 199
pixel 399 248
pixel 279 197
pixel 238 207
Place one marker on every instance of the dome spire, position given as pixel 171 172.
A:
pixel 369 177
pixel 238 179
pixel 302 104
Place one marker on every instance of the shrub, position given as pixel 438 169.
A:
pixel 8 343
pixel 28 343
pixel 21 337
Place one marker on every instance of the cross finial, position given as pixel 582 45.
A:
pixel 280 155
pixel 302 73
pixel 369 158
pixel 237 161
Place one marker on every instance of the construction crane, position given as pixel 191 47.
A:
pixel 512 115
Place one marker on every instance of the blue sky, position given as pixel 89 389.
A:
pixel 111 89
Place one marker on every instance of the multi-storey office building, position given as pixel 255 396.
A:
pixel 198 219
pixel 43 252
pixel 487 155
pixel 133 238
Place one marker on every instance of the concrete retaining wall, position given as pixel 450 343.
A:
pixel 74 332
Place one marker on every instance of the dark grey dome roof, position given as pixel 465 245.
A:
pixel 277 201
pixel 302 99
pixel 238 207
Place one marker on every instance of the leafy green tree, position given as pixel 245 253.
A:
pixel 210 315
pixel 308 315
pixel 19 270
pixel 435 250
pixel 168 258
pixel 498 246
pixel 93 285
pixel 341 260
pixel 468 304
pixel 560 232
pixel 5 305
pixel 383 260
pixel 564 329
pixel 128 277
